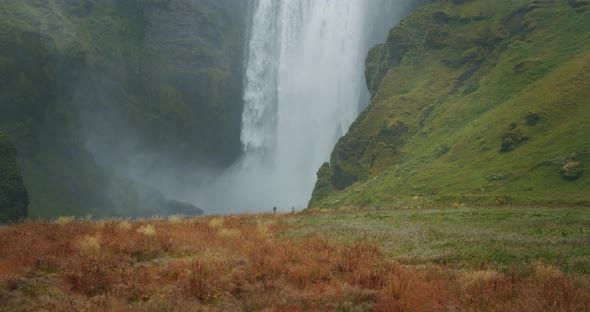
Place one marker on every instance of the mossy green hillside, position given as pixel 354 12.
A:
pixel 471 101
pixel 14 199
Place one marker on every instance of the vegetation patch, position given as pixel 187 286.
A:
pixel 512 139
pixel 532 118
pixel 491 98
pixel 464 259
pixel 571 170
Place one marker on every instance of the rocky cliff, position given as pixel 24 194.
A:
pixel 473 103
pixel 88 87
pixel 14 199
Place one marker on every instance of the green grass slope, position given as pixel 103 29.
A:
pixel 476 102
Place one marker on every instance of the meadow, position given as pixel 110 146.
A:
pixel 456 259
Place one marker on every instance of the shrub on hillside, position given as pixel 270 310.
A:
pixel 511 140
pixel 532 118
pixel 571 170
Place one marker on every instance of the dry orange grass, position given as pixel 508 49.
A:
pixel 247 263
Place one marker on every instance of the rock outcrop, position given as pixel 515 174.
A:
pixel 14 200
pixel 91 88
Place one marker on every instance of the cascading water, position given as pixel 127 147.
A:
pixel 304 83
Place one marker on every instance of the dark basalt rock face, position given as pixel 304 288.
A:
pixel 88 88
pixel 14 199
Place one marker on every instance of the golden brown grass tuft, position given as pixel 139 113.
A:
pixel 89 245
pixel 125 225
pixel 216 223
pixel 147 230
pixel 65 220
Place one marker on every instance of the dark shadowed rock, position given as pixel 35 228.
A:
pixel 175 207
pixel 14 200
pixel 105 82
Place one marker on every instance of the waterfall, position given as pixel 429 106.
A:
pixel 304 76
pixel 304 84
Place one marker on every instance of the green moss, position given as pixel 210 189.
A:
pixel 501 94
pixel 14 199
pixel 323 185
pixel 375 68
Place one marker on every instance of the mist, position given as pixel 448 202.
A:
pixel 302 85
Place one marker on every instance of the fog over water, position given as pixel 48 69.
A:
pixel 303 86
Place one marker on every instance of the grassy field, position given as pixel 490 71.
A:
pixel 461 259
pixel 465 237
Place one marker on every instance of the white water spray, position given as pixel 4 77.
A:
pixel 304 83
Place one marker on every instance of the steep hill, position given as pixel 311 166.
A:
pixel 478 102
pixel 89 87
